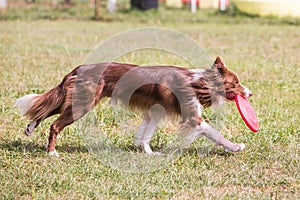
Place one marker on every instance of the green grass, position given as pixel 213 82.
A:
pixel 35 55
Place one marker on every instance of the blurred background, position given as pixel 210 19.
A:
pixel 103 9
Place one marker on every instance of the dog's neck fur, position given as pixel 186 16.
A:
pixel 209 88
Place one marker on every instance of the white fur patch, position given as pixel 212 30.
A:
pixel 199 108
pixel 196 133
pixel 238 148
pixel 198 73
pixel 146 147
pixel 242 147
pixel 53 153
pixel 196 102
pixel 247 92
pixel 25 103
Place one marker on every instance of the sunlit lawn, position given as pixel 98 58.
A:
pixel 35 55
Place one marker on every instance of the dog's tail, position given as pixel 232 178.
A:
pixel 39 106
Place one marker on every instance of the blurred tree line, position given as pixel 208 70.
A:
pixel 97 3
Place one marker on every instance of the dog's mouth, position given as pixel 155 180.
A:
pixel 230 96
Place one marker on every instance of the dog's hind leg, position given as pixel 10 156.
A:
pixel 34 123
pixel 64 120
pixel 67 117
pixel 31 126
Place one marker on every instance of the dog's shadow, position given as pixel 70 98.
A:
pixel 207 152
pixel 34 149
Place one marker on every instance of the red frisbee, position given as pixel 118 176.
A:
pixel 247 113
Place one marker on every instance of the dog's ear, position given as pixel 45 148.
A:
pixel 220 65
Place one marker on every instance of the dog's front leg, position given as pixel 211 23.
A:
pixel 143 136
pixel 216 137
pixel 140 139
pixel 213 135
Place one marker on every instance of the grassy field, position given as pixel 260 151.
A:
pixel 35 55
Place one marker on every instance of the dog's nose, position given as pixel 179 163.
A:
pixel 248 92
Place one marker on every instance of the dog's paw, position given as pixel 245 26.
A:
pixel 242 147
pixel 236 148
pixel 27 132
pixel 53 153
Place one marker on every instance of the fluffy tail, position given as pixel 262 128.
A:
pixel 39 106
pixel 26 102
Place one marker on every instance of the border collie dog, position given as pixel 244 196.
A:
pixel 177 91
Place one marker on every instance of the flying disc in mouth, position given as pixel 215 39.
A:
pixel 247 113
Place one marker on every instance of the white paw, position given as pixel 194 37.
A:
pixel 137 142
pixel 147 149
pixel 242 147
pixel 236 148
pixel 53 153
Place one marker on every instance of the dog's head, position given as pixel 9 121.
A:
pixel 231 81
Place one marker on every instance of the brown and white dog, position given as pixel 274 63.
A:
pixel 178 92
